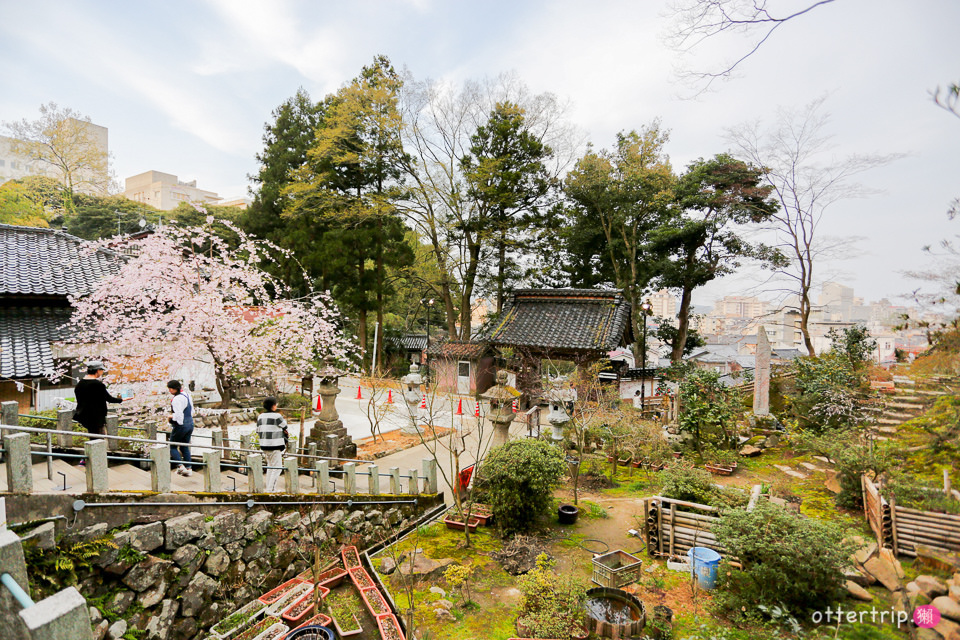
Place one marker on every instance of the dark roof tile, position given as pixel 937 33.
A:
pixel 25 337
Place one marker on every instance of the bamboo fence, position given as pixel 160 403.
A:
pixel 673 527
pixel 903 529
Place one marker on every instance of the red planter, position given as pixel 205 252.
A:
pixel 350 557
pixel 718 470
pixel 483 513
pixel 375 601
pixel 458 525
pixel 389 627
pixel 275 594
pixel 302 608
pixel 332 578
pixel 361 578
pixel 319 619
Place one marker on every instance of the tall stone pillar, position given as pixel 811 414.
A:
pixel 761 375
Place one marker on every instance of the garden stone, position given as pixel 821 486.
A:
pixel 146 574
pixel 772 441
pixel 100 630
pixel 217 561
pixel 209 615
pixel 159 624
pixel 195 595
pixel 949 629
pixel 354 521
pixel 254 551
pixel 750 451
pixel 387 566
pixel 336 517
pixel 375 517
pixel 185 554
pixel 928 634
pixel 146 537
pixel 228 527
pixel 859 577
pixel 954 592
pixel 153 596
pixel 44 535
pixel 948 607
pixel 235 549
pixel 122 601
pixel 883 571
pixel 443 615
pixel 185 629
pixel 182 529
pixel 438 591
pixel 930 586
pixel 444 604
pixel 93 531
pixel 289 521
pixel 207 542
pixel 117 629
pixel 865 553
pixel 95 615
pixel 857 592
pixel 392 516
pixel 422 567
pixel 257 524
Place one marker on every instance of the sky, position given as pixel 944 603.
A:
pixel 185 87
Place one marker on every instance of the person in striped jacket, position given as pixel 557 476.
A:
pixel 272 432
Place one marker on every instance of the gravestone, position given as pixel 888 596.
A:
pixel 761 375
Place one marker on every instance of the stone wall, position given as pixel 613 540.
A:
pixel 176 576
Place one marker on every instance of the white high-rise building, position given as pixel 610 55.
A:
pixel 663 304
pixel 14 166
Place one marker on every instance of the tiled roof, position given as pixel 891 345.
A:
pixel 25 337
pixel 564 320
pixel 413 341
pixel 458 349
pixel 48 262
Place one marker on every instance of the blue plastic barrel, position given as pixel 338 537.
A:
pixel 704 563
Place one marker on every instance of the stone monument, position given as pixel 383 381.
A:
pixel 500 399
pixel 328 421
pixel 558 417
pixel 412 395
pixel 761 375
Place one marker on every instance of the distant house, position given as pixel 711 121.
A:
pixel 39 269
pixel 463 367
pixel 413 346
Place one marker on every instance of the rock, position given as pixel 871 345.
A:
pixel 859 576
pixel 374 517
pixel 421 567
pixel 928 634
pixel 95 615
pixel 183 529
pixel 227 527
pixel 209 615
pixel 930 586
pixel 857 592
pixel 185 629
pixel 122 601
pixel 790 472
pixel 257 524
pixel 392 516
pixel 254 551
pixel 146 574
pixel 948 607
pixel 146 537
pixel 185 554
pixel 750 451
pixel 195 596
pixel 44 536
pixel 438 591
pixel 953 591
pixel 865 553
pixel 235 549
pixel 93 531
pixel 444 615
pixel 444 604
pixel 117 629
pixel 159 625
pixel 153 596
pixel 949 629
pixel 772 441
pixel 883 571
pixel 889 556
pixel 207 542
pixel 809 466
pixel 100 630
pixel 289 521
pixel 832 483
pixel 387 566
pixel 336 517
pixel 217 562
pixel 354 521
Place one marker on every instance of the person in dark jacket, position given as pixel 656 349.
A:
pixel 92 398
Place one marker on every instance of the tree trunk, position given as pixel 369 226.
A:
pixel 469 279
pixel 635 314
pixel 445 292
pixel 805 319
pixel 502 259
pixel 683 325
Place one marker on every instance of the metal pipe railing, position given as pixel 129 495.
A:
pixel 21 596
pixel 102 436
pixel 80 504
pixel 24 415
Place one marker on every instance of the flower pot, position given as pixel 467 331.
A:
pixel 238 620
pixel 579 633
pixel 656 467
pixel 311 631
pixel 288 598
pixel 275 594
pixel 302 608
pixel 319 620
pixel 483 513
pixel 623 462
pixel 350 557
pixel 567 514
pixel 389 627
pixel 375 602
pixel 354 630
pixel 275 632
pixel 660 625
pixel 257 629
pixel 718 470
pixel 361 578
pixel 678 454
pixel 636 464
pixel 458 525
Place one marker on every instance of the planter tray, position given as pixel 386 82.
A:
pixel 351 558
pixel 275 594
pixel 287 615
pixel 458 525
pixel 387 623
pixel 352 632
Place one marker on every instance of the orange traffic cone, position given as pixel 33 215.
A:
pixel 359 397
pixel 423 403
pixel 389 396
pixel 476 412
pixel 460 407
pixel 319 406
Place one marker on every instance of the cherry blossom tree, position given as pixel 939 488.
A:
pixel 190 296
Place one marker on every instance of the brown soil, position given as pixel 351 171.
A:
pixel 395 441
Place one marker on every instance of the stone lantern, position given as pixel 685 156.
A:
pixel 328 421
pixel 412 395
pixel 499 399
pixel 557 417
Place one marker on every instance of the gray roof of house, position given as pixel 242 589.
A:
pixel 25 337
pixel 49 262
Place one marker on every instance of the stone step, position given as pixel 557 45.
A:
pixel 887 429
pixel 791 472
pixel 915 407
pixel 889 421
pixel 893 415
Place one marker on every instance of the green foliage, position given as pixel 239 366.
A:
pixel 854 343
pixel 708 409
pixel 551 605
pixel 915 494
pixel 458 577
pixel 681 481
pixel 292 401
pixel 853 456
pixel 344 605
pixel 19 207
pixel 667 334
pixel 942 423
pixel 593 510
pixel 52 570
pixel 519 478
pixel 130 555
pixel 790 561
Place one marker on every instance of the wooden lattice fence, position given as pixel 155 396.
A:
pixel 905 530
pixel 673 527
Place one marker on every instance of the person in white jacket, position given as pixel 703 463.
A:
pixel 272 432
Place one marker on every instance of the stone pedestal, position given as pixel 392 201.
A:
pixel 328 421
pixel 500 398
pixel 412 395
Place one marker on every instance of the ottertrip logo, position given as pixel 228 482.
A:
pixel 883 616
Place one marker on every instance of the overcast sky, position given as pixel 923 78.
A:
pixel 186 87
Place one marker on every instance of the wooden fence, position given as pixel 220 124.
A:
pixel 672 527
pixel 905 530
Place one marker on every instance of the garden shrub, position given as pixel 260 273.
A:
pixel 551 605
pixel 684 482
pixel 518 479
pixel 787 560
pixel 852 456
pixel 913 493
pixel 708 409
pixel 293 401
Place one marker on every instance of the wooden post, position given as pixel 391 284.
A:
pixel 673 529
pixel 893 526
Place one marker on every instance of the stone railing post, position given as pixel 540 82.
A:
pixel 19 465
pixel 395 480
pixel 246 442
pixel 65 423
pixel 373 486
pixel 65 614
pixel 160 470
pixel 333 445
pixel 291 475
pixel 255 476
pixel 216 439
pixel 312 453
pixel 323 476
pixel 112 429
pixel 414 487
pixel 350 477
pixel 212 482
pixel 8 414
pixel 96 452
pixel 430 475
pixel 151 428
pixel 3 515
pixel 12 562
